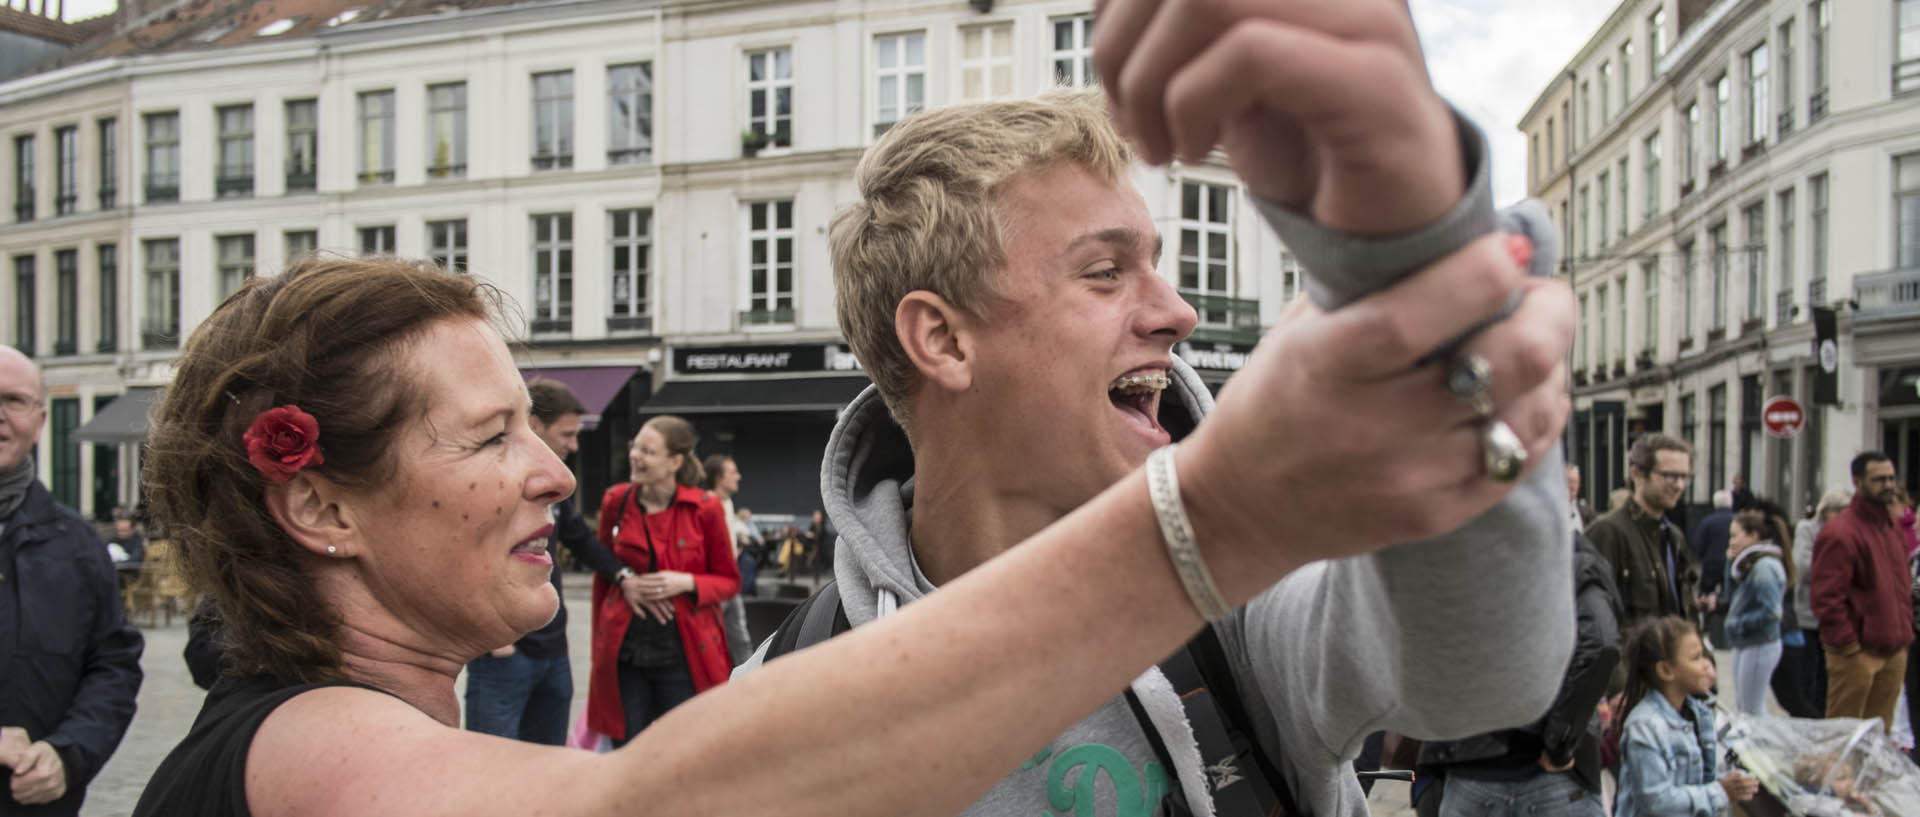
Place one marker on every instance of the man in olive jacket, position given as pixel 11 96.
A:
pixel 1652 567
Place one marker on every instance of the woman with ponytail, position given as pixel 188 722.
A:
pixel 1758 575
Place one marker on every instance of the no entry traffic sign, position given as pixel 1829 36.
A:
pixel 1782 416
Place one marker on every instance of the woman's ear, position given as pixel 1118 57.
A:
pixel 1664 671
pixel 306 509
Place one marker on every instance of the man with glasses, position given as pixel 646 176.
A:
pixel 1652 567
pixel 1861 595
pixel 69 661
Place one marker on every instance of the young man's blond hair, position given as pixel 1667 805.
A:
pixel 928 216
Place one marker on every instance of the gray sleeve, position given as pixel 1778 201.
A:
pixel 1438 639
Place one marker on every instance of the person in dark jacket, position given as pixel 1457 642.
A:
pixel 1553 762
pixel 1862 597
pixel 69 661
pixel 1709 546
pixel 1652 567
pixel 524 690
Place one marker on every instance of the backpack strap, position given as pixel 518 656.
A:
pixel 817 619
pixel 1244 779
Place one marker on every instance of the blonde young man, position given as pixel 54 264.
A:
pixel 999 282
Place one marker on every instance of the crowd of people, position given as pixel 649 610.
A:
pixel 1188 606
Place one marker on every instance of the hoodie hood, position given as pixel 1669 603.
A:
pixel 866 481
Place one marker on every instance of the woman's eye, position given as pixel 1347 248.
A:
pixel 496 439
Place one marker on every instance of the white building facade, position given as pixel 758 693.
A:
pixel 1724 172
pixel 649 183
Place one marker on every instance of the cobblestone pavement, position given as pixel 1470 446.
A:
pixel 169 701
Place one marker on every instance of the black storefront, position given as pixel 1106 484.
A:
pixel 770 407
pixel 1214 362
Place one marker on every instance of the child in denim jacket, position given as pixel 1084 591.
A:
pixel 1667 745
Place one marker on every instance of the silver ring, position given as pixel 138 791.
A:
pixel 1503 454
pixel 1471 379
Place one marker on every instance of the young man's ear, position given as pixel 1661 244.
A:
pixel 305 508
pixel 932 332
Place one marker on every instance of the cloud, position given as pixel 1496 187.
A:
pixel 1492 58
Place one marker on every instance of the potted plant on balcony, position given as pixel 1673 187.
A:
pixel 1645 360
pixel 1619 367
pixel 751 141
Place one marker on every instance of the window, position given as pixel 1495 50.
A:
pixel 1605 234
pixel 1689 286
pixel 1586 112
pixel 1650 297
pixel 1690 148
pixel 1785 118
pixel 447 244
pixel 1604 341
pixel 1717 275
pixel 1906 67
pixel 770 96
pixel 1583 232
pixel 1722 118
pixel 66 170
pixel 629 113
pixel 298 243
pixel 376 137
pixel 1657 32
pixel 1754 217
pixel 1783 213
pixel 23 305
pixel 303 144
pixel 64 418
pixel 1551 163
pixel 553 120
pixel 1906 198
pixel 235 259
pixel 1816 60
pixel 109 129
pixel 986 61
pixel 108 324
pixel 23 174
pixel 376 240
pixel 1606 90
pixel 1650 186
pixel 1717 435
pixel 1072 53
pixel 1566 130
pixel 1690 422
pixel 161 329
pixel 1626 72
pixel 1620 320
pixel 1533 158
pixel 900 78
pixel 1817 239
pixel 1206 250
pixel 447 130
pixel 1621 177
pixel 631 249
pixel 1758 96
pixel 236 151
pixel 553 273
pixel 66 293
pixel 163 157
pixel 1580 344
pixel 769 263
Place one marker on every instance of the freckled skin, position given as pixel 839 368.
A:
pixel 436 503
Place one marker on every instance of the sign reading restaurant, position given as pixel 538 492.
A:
pixel 817 357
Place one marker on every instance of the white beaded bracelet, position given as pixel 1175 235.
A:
pixel 1163 490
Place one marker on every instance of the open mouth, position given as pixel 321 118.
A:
pixel 534 549
pixel 1137 395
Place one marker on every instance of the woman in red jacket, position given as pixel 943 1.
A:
pixel 660 645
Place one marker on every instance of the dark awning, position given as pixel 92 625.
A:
pixel 754 395
pixel 596 386
pixel 122 421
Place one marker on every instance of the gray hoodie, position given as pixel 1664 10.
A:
pixel 1439 639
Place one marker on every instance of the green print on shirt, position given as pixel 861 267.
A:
pixel 1092 759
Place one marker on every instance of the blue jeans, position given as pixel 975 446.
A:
pixel 646 693
pixel 1543 795
pixel 520 697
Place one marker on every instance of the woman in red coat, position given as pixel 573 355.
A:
pixel 664 643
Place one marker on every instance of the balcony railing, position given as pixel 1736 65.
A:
pixel 1906 76
pixel 300 181
pixel 1817 292
pixel 630 323
pixel 553 326
pixel 163 189
pixel 23 207
pixel 1783 309
pixel 66 204
pixel 376 176
pixel 447 171
pixel 1817 106
pixel 766 317
pixel 159 338
pixel 1785 123
pixel 233 186
pixel 109 196
pixel 1224 319
pixel 1887 295
pixel 552 161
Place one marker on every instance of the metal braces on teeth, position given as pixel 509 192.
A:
pixel 1156 382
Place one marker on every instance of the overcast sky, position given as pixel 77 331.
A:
pixel 1490 57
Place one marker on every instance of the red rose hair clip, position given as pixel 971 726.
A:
pixel 282 441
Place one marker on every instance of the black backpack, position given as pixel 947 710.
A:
pixel 1242 775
